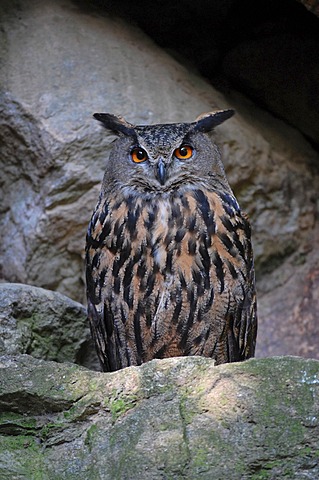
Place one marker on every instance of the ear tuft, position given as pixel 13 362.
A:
pixel 115 123
pixel 208 121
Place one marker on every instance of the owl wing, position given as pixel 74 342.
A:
pixel 101 338
pixel 228 302
pixel 243 325
pixel 98 281
pixel 101 325
pixel 247 310
pixel 241 310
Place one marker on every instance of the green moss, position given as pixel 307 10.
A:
pixel 199 460
pixel 90 436
pixel 189 407
pixel 119 403
pixel 25 456
pixel 310 452
pixel 74 413
pixel 68 414
pixel 261 475
pixel 14 420
pixel 269 470
pixel 17 442
pixel 119 406
pixel 46 430
pixel 186 413
pixel 286 400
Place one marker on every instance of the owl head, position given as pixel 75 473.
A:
pixel 156 159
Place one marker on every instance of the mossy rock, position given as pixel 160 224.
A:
pixel 44 324
pixel 168 419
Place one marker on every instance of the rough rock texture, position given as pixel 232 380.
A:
pixel 169 419
pixel 44 324
pixel 289 322
pixel 52 155
pixel 266 48
pixel 287 280
pixel 53 152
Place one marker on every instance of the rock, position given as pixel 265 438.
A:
pixel 311 5
pixel 53 152
pixel 289 80
pixel 290 311
pixel 287 300
pixel 268 48
pixel 44 324
pixel 174 418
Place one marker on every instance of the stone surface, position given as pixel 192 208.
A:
pixel 53 153
pixel 289 80
pixel 312 5
pixel 289 322
pixel 44 324
pixel 287 285
pixel 266 48
pixel 169 419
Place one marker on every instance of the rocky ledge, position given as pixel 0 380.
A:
pixel 168 419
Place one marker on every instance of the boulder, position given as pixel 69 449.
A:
pixel 44 324
pixel 168 419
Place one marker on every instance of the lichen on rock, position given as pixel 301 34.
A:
pixel 174 418
pixel 44 324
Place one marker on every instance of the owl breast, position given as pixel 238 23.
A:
pixel 170 276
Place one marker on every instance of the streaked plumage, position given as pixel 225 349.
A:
pixel 169 263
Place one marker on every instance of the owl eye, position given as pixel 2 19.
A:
pixel 139 155
pixel 183 152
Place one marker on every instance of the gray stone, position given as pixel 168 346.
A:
pixel 290 310
pixel 53 152
pixel 168 419
pixel 44 324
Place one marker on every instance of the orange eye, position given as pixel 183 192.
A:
pixel 184 152
pixel 138 155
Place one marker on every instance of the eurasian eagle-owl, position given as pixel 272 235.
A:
pixel 169 263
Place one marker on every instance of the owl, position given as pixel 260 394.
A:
pixel 169 262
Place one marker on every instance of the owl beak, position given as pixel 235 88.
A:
pixel 161 172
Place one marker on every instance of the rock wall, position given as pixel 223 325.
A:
pixel 266 49
pixel 61 62
pixel 52 81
